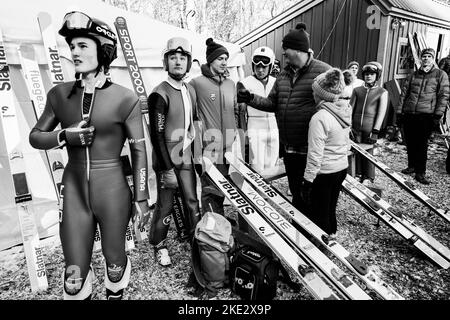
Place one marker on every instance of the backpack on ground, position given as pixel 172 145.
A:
pixel 254 274
pixel 212 243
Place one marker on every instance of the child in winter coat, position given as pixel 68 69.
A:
pixel 369 103
pixel 328 144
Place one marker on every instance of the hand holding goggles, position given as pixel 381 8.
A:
pixel 261 60
pixel 78 21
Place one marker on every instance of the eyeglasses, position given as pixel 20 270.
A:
pixel 261 60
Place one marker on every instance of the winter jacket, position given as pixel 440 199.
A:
pixel 328 139
pixel 369 109
pixel 444 65
pixel 293 103
pixel 216 107
pixel 425 93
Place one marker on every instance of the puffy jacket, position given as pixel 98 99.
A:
pixel 293 103
pixel 425 93
pixel 216 106
pixel 369 109
pixel 328 139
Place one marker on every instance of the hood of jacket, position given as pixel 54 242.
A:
pixel 206 71
pixel 340 109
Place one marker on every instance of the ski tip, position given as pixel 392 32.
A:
pixel 44 19
pixel 237 178
pixel 121 21
pixel 207 163
pixel 26 50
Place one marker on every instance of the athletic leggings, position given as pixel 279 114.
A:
pixel 104 199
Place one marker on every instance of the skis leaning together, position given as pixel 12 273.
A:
pixel 57 77
pixel 403 183
pixel 268 192
pixel 11 131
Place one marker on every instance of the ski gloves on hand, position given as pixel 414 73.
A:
pixel 140 211
pixel 306 192
pixel 78 134
pixel 244 96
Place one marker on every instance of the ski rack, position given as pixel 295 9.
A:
pixel 305 248
pixel 364 273
pixel 57 77
pixel 374 208
pixel 138 85
pixel 403 183
pixel 23 199
pixel 303 270
pixel 402 218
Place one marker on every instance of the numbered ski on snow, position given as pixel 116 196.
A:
pixel 403 183
pixel 23 199
pixel 267 191
pixel 306 273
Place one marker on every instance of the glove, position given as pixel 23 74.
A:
pixel 436 122
pixel 140 212
pixel 168 179
pixel 306 192
pixel 373 137
pixel 400 119
pixel 244 96
pixel 78 134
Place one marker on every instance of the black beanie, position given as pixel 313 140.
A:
pixel 297 39
pixel 213 50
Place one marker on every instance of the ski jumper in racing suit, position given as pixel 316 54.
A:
pixel 171 113
pixel 94 187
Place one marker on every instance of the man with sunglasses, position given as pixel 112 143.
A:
pixel 96 116
pixel 261 126
pixel 292 101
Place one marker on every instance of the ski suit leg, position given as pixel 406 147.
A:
pixel 187 182
pixel 111 203
pixel 161 218
pixel 77 226
pixel 256 142
pixel 273 144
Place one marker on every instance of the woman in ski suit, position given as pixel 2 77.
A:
pixel 96 116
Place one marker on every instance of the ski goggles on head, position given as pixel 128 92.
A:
pixel 369 69
pixel 78 21
pixel 261 60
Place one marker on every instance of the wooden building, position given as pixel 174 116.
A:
pixel 361 30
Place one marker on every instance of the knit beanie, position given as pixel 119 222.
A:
pixel 297 39
pixel 429 51
pixel 329 85
pixel 353 63
pixel 214 50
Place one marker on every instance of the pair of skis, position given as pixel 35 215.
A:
pixel 398 221
pixel 403 183
pixel 271 194
pixel 22 195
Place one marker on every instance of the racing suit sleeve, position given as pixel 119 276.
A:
pixel 135 134
pixel 157 112
pixel 381 113
pixel 266 104
pixel 42 135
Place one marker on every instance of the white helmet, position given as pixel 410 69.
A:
pixel 178 44
pixel 263 56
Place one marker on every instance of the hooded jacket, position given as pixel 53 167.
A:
pixel 216 105
pixel 328 139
